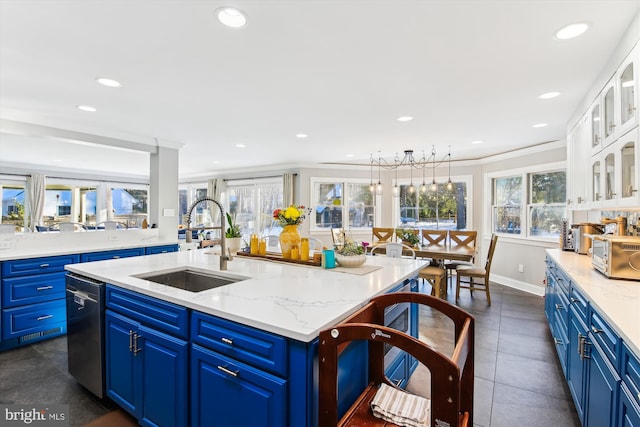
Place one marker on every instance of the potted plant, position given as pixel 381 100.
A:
pixel 351 254
pixel 233 235
pixel 409 237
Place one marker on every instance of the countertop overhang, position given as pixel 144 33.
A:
pixel 286 299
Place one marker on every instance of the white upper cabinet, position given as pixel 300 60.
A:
pixel 609 112
pixel 614 173
pixel 595 127
pixel 627 87
pixel 629 163
pixel 596 182
pixel 578 154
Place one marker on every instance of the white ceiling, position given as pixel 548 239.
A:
pixel 339 71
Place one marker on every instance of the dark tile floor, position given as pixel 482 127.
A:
pixel 518 377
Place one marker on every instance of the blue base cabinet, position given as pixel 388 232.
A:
pixel 226 392
pixel 603 374
pixel 147 369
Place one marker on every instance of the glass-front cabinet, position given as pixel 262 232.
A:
pixel 596 184
pixel 629 163
pixel 609 177
pixel 609 115
pixel 627 84
pixel 596 128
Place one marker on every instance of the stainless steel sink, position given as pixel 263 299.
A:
pixel 191 280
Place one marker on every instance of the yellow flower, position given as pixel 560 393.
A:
pixel 292 213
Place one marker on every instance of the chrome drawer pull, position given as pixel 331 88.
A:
pixel 44 288
pixel 116 256
pixel 557 341
pixel 596 330
pixel 44 265
pixel 228 371
pixel 226 340
pixel 559 307
pixel 135 344
pixel 130 340
pixel 48 316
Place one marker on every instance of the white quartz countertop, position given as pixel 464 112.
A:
pixel 618 301
pixel 289 300
pixel 34 245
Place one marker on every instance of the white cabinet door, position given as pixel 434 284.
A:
pixel 627 146
pixel 609 112
pixel 627 88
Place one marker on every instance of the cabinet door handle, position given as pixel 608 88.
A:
pixel 226 340
pixel 559 307
pixel 44 288
pixel 135 344
pixel 583 345
pixel 596 330
pixel 557 341
pixel 573 299
pixel 580 344
pixel 130 340
pixel 228 371
pixel 47 316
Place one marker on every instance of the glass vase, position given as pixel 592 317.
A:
pixel 289 238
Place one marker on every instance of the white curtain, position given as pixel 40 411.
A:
pixel 287 188
pixel 215 188
pixel 36 186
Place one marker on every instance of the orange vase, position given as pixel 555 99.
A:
pixel 289 238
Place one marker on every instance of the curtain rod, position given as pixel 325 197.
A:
pixel 255 177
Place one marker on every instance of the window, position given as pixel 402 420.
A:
pixel 530 204
pixel 129 204
pixel 252 202
pixel 187 194
pixel 12 201
pixel 444 208
pixel 341 203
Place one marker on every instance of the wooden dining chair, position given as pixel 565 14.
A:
pixel 435 275
pixel 338 236
pixel 382 235
pixel 461 238
pixel 473 273
pixel 434 237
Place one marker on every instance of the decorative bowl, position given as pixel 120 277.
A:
pixel 351 260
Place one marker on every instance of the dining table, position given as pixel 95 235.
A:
pixel 438 255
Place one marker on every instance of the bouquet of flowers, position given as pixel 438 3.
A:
pixel 292 215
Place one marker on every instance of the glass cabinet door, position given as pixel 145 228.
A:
pixel 609 177
pixel 628 169
pixel 596 181
pixel 609 116
pixel 595 126
pixel 627 95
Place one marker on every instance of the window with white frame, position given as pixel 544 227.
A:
pixel 442 206
pixel 13 200
pixel 341 203
pixel 187 194
pixel 251 203
pixel 529 203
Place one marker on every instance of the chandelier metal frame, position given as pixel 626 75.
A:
pixel 408 160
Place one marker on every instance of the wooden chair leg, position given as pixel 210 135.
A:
pixel 486 289
pixel 457 287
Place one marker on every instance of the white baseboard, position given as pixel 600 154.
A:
pixel 517 284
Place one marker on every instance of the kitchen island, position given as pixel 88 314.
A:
pixel 240 354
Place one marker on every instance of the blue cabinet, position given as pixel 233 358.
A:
pixel 147 369
pixel 227 392
pixel 602 372
pixel 120 253
pixel 32 299
pixel 163 249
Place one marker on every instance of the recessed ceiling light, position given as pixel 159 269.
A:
pixel 539 125
pixel 476 142
pixel 108 82
pixel 571 31
pixel 405 118
pixel 231 17
pixel 549 95
pixel 301 135
pixel 240 145
pixel 88 108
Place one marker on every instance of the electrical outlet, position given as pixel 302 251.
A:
pixel 5 244
pixel 521 268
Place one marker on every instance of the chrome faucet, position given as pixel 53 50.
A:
pixel 224 257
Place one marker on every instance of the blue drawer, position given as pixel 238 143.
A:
pixel 253 346
pixel 630 372
pixel 579 303
pixel 160 249
pixel 609 341
pixel 31 289
pixel 161 315
pixel 121 253
pixel 33 318
pixel 24 267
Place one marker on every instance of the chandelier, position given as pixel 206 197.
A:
pixel 408 160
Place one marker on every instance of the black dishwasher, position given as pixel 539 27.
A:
pixel 85 332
